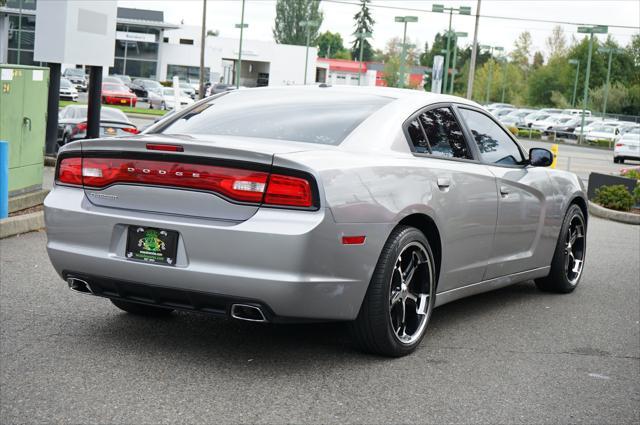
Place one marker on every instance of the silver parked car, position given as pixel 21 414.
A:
pixel 368 205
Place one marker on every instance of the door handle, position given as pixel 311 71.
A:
pixel 504 190
pixel 444 182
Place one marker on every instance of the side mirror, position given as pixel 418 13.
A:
pixel 539 157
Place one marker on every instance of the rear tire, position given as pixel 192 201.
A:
pixel 141 309
pixel 398 304
pixel 568 259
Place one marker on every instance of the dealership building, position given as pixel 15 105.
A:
pixel 147 46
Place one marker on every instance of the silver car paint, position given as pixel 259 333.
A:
pixel 293 260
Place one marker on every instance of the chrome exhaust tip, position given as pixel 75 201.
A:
pixel 250 313
pixel 79 285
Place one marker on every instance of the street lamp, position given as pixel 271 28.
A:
pixel 575 84
pixel 491 50
pixel 597 29
pixel 462 10
pixel 242 26
pixel 611 51
pixel 307 25
pixel 405 20
pixel 504 76
pixel 363 35
pixel 457 35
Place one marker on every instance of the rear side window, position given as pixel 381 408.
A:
pixel 322 117
pixel 444 136
pixel 494 144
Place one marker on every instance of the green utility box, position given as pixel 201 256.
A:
pixel 23 123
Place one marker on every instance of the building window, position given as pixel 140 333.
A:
pixel 186 73
pixel 165 39
pixel 186 41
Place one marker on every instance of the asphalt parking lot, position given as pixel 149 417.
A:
pixel 515 355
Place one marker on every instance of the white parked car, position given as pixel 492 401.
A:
pixel 603 132
pixel 68 90
pixel 628 147
pixel 587 113
pixel 536 117
pixel 553 120
pixel 163 98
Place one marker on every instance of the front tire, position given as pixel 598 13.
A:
pixel 141 309
pixel 398 304
pixel 568 259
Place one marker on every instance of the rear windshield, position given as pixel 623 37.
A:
pixel 105 113
pixel 321 117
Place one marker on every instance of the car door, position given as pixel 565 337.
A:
pixel 523 192
pixel 465 198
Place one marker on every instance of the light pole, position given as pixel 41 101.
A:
pixel 611 51
pixel 203 39
pixel 307 25
pixel 242 26
pixel 490 76
pixel 598 29
pixel 575 83
pixel 439 8
pixel 455 56
pixel 474 54
pixel 504 77
pixel 405 20
pixel 363 35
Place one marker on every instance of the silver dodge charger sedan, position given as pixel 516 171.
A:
pixel 367 205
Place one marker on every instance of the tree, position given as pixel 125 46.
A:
pixel 522 50
pixel 538 59
pixel 391 71
pixel 330 45
pixel 289 15
pixel 617 99
pixel 363 23
pixel 556 42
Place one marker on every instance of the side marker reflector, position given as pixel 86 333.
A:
pixel 353 240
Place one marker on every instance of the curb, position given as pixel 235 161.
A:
pixel 21 224
pixel 28 200
pixel 619 216
pixel 50 161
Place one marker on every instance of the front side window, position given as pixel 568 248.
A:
pixel 444 136
pixel 494 144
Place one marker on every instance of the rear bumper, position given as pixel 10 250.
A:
pixel 293 262
pixel 626 153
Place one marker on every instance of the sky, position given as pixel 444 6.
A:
pixel 222 15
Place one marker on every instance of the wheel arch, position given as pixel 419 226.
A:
pixel 428 227
pixel 579 201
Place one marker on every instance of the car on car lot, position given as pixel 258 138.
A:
pixel 549 122
pixel 72 123
pixel 628 146
pixel 516 117
pixel 164 98
pixel 142 85
pixel 188 90
pixel 369 205
pixel 587 113
pixel 67 90
pixel 118 94
pixel 501 112
pixel 602 131
pixel 535 116
pixel 220 88
pixel 77 77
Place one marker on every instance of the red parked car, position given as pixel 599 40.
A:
pixel 118 94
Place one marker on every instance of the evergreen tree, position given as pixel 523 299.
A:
pixel 289 15
pixel 363 23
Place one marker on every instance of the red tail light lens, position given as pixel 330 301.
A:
pixel 288 191
pixel 131 130
pixel 234 183
pixel 81 127
pixel 167 148
pixel 70 171
pixel 619 145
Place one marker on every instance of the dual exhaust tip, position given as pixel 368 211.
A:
pixel 247 312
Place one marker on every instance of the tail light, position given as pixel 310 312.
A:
pixel 237 184
pixel 619 145
pixel 81 127
pixel 131 130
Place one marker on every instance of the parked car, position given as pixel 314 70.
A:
pixel 77 77
pixel 164 99
pixel 516 117
pixel 142 85
pixel 188 90
pixel 220 88
pixel 500 105
pixel 627 147
pixel 535 116
pixel 603 132
pixel 548 123
pixel 67 90
pixel 118 94
pixel 126 80
pixel 72 123
pixel 567 129
pixel 587 113
pixel 113 80
pixel 551 111
pixel 315 203
pixel 501 112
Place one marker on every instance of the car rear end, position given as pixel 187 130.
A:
pixel 213 223
pixel 628 147
pixel 108 128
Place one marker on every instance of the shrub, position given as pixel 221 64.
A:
pixel 631 173
pixel 513 129
pixel 615 197
pixel 524 133
pixel 636 194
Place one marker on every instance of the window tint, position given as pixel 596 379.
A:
pixel 444 136
pixel 494 144
pixel 322 117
